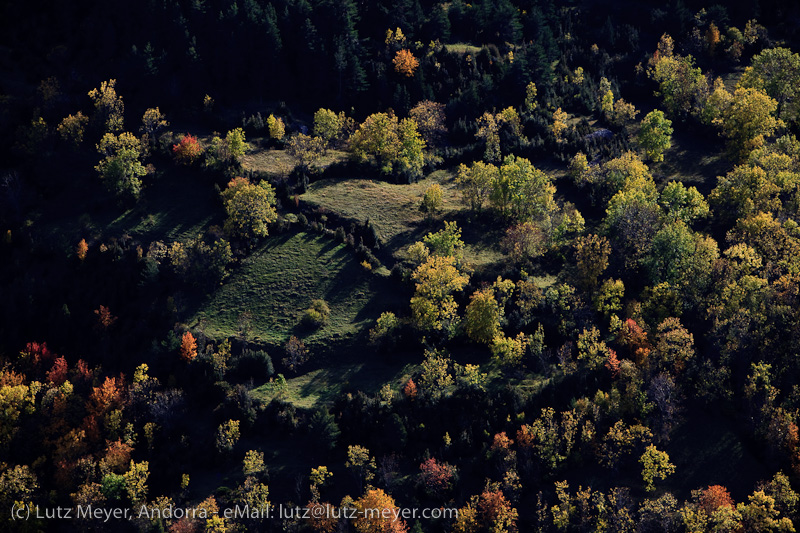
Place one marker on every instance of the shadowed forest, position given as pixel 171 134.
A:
pixel 535 263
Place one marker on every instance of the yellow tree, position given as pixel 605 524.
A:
pixel 108 106
pixel 749 119
pixel 250 208
pixel 405 63
pixel 559 124
pixel 437 279
pixel 377 514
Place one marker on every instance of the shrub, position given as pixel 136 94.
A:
pixel 317 314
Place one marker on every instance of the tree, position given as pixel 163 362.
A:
pixel 188 348
pixel 509 351
pixel 522 191
pixel 236 143
pixel 436 477
pixel 227 436
pixel 681 257
pixel 81 250
pixel 327 125
pixel 655 465
pixel 446 241
pixel 187 151
pixel 530 97
pixel 592 349
pixel 121 166
pixel 276 128
pixel 436 378
pixel 431 121
pixel 296 353
pixel 476 183
pixel 305 150
pixel 109 108
pixel 250 208
pixel 591 259
pixel 72 128
pixel 136 481
pixel 655 135
pixel 324 429
pixel 153 122
pixel 489 131
pixel 411 159
pixel 405 63
pixel 378 137
pixel 376 513
pixel 360 464
pixel 433 306
pixel 776 71
pixel 748 120
pixel 682 203
pixel 559 124
pixel 714 497
pixel 482 319
pixel 524 242
pixel 432 200
pixel 680 82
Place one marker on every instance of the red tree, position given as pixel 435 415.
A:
pixel 188 150
pixel 714 497
pixel 436 477
pixel 58 373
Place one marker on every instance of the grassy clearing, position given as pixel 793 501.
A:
pixel 394 211
pixel 693 161
pixel 277 282
pixel 279 163
pixel 323 385
pixel 462 48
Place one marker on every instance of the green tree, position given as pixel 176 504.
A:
pixel 655 135
pixel 445 242
pixel 323 428
pixel 436 378
pixel 682 203
pixel 522 191
pixel 476 183
pixel 121 168
pixel 378 137
pixel 250 208
pixel 327 125
pixel 748 120
pixel 237 144
pixel 411 157
pixel 360 464
pixel 655 465
pixel 776 71
pixel 432 200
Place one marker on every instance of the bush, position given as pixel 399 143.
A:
pixel 255 364
pixel 317 314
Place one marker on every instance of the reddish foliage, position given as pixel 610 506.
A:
pixel 106 397
pixel 634 338
pixel 714 497
pixel 39 353
pixel 405 63
pixel 82 249
pixel 118 456
pixel 612 364
pixel 495 510
pixel 410 389
pixel 188 347
pixel 437 477
pixel 188 150
pixel 58 373
pixel 82 372
pixel 104 317
pixel 501 442
pixel 525 437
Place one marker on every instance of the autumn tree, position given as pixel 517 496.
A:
pixel 153 123
pixel 482 318
pixel 436 377
pixel 748 120
pixel 108 106
pixel 250 208
pixel 431 121
pixel 227 436
pixel 275 127
pixel 680 82
pixel 524 242
pixel 296 353
pixel 776 71
pixel 432 200
pixel 306 150
pixel 237 144
pixel 655 465
pixel 655 135
pixel 72 129
pixel 375 513
pixel 559 125
pixel 591 259
pixel 187 151
pixel 327 125
pixel 121 167
pixel 433 306
pixel 396 145
pixel 530 97
pixel 361 464
pixel 188 349
pixel 405 63
pixel 476 183
pixel 436 477
pixel 522 191
pixel 81 250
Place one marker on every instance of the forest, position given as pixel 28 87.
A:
pixel 325 266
